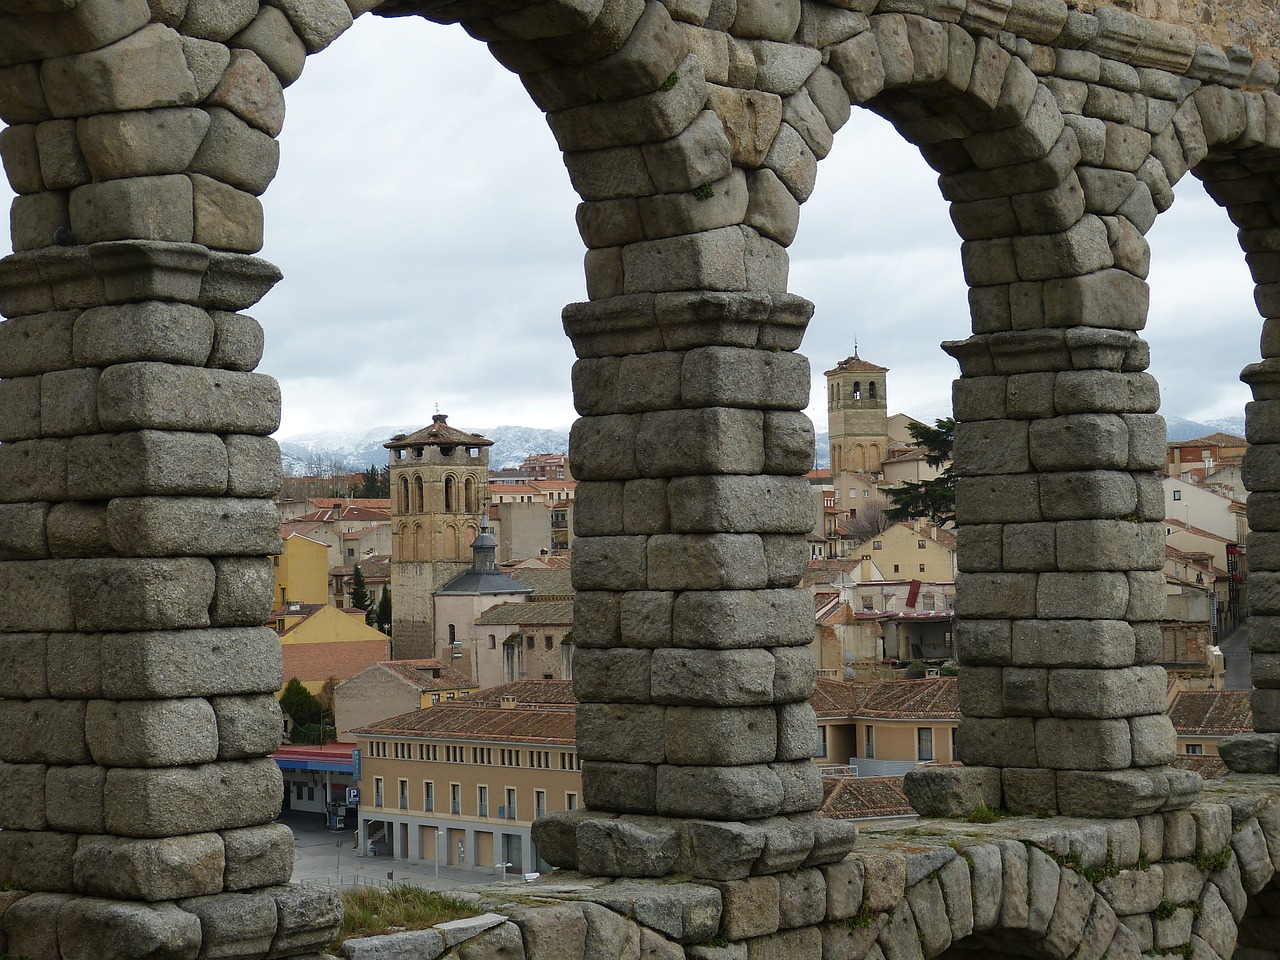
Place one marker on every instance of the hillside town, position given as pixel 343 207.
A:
pixel 428 644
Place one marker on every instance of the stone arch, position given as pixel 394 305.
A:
pixel 858 460
pixel 402 489
pixel 419 498
pixel 452 547
pixel 421 549
pixel 471 494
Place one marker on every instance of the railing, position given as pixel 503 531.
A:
pixel 507 813
pixel 377 799
pixel 482 810
pixel 430 806
pixel 404 803
pixel 456 807
pixel 539 811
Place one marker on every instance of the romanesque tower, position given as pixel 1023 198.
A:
pixel 857 415
pixel 439 492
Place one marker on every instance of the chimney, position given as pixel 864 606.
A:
pixel 507 702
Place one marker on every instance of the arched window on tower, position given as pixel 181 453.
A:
pixel 417 495
pixel 469 493
pixel 857 390
pixel 404 494
pixel 449 494
pixel 871 389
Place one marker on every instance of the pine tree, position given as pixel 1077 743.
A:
pixel 300 704
pixel 936 498
pixel 359 593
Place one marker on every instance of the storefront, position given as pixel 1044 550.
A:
pixel 322 780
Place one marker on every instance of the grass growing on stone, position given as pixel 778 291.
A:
pixel 370 911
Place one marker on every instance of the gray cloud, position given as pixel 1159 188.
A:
pixel 424 222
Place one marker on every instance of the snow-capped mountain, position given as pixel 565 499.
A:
pixel 348 450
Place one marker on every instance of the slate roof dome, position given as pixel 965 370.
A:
pixel 484 576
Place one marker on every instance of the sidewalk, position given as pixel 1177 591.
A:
pixel 318 856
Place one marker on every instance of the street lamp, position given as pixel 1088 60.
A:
pixel 504 867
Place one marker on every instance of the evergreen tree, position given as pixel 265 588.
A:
pixel 933 499
pixel 300 704
pixel 376 482
pixel 382 617
pixel 359 593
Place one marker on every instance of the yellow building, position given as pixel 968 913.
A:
pixel 302 571
pixel 916 550
pixel 1203 717
pixel 322 643
pixel 462 782
pixel 889 727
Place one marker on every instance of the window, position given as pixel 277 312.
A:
pixel 866 493
pixel 404 794
pixel 453 633
pixel 922 568
pixel 953 745
pixel 428 796
pixel 435 698
pixel 297 790
pixel 1195 750
pixel 528 641
pixel 877 544
pixel 870 741
pixel 924 743
pixel 493 642
pixel 548 642
pixel 482 801
pixel 511 803
pixel 895 568
pixel 455 798
pixel 822 745
pixel 919 544
pixel 539 802
pixel 351 551
pixel 377 791
pixel 571 801
pixel 1177 494
pixel 871 389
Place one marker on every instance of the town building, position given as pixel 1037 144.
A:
pixel 301 570
pixel 887 728
pixel 1198 458
pixel 461 782
pixel 524 641
pixel 439 481
pixel 1202 718
pixel 394 687
pixel 460 602
pixel 857 417
pixel 351 529
pixel 323 644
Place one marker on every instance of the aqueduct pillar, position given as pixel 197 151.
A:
pixel 137 796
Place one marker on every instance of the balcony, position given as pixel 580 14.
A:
pixel 539 811
pixel 482 810
pixel 429 806
pixel 506 813
pixel 455 808
pixel 404 803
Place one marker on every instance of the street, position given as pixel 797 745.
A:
pixel 1235 654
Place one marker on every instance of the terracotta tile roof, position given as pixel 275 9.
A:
pixel 370 503
pixel 1208 766
pixel 469 720
pixel 1212 713
pixel 544 613
pixel 554 484
pixel 499 489
pixel 850 798
pixel 823 473
pixel 438 434
pixel 1218 439
pixel 931 698
pixel 856 364
pixel 544 693
pixel 834 698
pixel 317 662
pixel 430 674
pixel 825 571
pixel 547 583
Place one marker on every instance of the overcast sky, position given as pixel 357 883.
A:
pixel 424 222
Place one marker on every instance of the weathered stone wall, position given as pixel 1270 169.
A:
pixel 1250 23
pixel 136 467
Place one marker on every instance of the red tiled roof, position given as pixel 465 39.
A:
pixel 543 693
pixel 317 662
pixel 849 798
pixel 470 720
pixel 856 364
pixel 1212 713
pixel 371 503
pixel 931 698
pixel 430 674
pixel 438 433
pixel 1208 766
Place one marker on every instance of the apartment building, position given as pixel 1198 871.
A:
pixel 461 782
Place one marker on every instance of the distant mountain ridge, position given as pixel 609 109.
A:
pixel 352 450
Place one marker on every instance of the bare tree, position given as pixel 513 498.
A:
pixel 870 522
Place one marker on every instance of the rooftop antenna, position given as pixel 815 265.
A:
pixel 855 348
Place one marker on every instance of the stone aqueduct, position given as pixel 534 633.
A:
pixel 137 799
